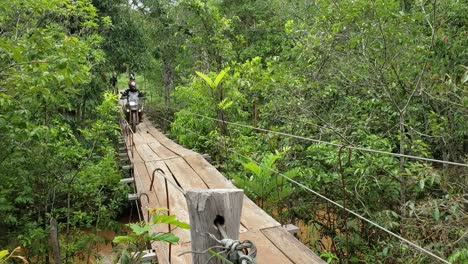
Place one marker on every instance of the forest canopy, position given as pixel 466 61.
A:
pixel 231 78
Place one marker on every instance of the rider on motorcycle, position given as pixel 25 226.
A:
pixel 131 91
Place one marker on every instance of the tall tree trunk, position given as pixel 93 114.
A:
pixel 54 241
pixel 220 113
pixel 402 169
pixel 254 113
pixel 168 81
pixel 406 5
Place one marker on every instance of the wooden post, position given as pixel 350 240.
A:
pixel 204 206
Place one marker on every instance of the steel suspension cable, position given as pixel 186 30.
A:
pixel 416 246
pixel 329 143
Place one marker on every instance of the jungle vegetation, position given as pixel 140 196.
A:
pixel 384 75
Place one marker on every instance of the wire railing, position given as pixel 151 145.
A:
pixel 327 142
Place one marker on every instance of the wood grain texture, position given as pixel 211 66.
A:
pixel 162 151
pixel 266 251
pixel 166 142
pixel 154 150
pixel 185 175
pixel 252 215
pixel 204 207
pixel 293 248
pixel 146 153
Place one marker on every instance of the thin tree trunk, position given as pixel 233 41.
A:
pixel 54 241
pixel 220 113
pixel 402 169
pixel 168 82
pixel 68 222
pixel 254 113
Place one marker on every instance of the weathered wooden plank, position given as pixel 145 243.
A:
pixel 181 248
pixel 158 184
pixel 142 183
pixel 273 242
pixel 208 173
pixel 162 151
pixel 146 153
pixel 161 248
pixel 177 203
pixel 162 252
pixel 138 139
pixel 252 215
pixel 266 250
pixel 184 174
pixel 290 246
pixel 144 133
pixel 179 150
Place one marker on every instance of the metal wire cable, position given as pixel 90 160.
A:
pixel 347 210
pixel 330 143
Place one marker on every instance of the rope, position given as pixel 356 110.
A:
pixel 330 143
pixel 347 210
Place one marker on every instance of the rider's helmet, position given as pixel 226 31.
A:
pixel 132 86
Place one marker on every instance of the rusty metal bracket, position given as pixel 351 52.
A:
pixel 152 177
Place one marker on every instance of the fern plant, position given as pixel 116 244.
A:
pixel 264 185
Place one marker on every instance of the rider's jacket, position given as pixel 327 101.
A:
pixel 127 91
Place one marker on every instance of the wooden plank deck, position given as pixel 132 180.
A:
pixel 190 170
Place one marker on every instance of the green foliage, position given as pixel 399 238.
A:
pixel 58 127
pixel 346 72
pixel 459 256
pixel 126 42
pixel 133 244
pixel 265 186
pixel 385 75
pixel 5 255
pixel 328 256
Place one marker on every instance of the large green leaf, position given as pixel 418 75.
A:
pixel 206 79
pixel 180 224
pixel 220 77
pixel 169 219
pixel 3 254
pixel 253 167
pixel 122 239
pixel 163 218
pixel 167 237
pixel 138 229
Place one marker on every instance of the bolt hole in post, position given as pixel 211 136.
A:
pixel 219 223
pixel 219 220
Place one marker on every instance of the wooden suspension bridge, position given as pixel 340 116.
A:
pixel 163 170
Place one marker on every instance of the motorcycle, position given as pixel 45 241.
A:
pixel 133 108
